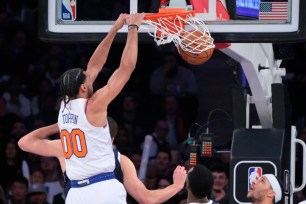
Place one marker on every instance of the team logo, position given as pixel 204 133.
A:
pixel 68 10
pixel 254 172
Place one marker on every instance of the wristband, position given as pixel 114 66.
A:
pixel 132 26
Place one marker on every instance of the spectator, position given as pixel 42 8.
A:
pixel 121 142
pixel 37 177
pixel 20 54
pixel 17 102
pixel 11 165
pixel 171 78
pixel 60 197
pixel 177 120
pixel 33 161
pixel 18 129
pixel 6 121
pixel 162 163
pixel 220 190
pixel 50 167
pixel 151 178
pixel 54 67
pixel 37 194
pixel 131 118
pixel 136 159
pixel 163 182
pixel 18 189
pixel 159 138
pixel 37 102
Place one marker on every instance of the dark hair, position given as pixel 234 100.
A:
pixel 169 179
pixel 113 127
pixel 38 169
pixel 164 149
pixel 220 167
pixel 19 179
pixel 70 83
pixel 200 181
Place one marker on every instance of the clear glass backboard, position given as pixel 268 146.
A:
pixel 227 20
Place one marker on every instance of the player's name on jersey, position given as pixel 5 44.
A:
pixel 70 118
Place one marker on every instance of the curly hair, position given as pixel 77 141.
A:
pixel 70 83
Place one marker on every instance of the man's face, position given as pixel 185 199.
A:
pixel 19 191
pixel 19 129
pixel 11 151
pixel 162 160
pixel 38 198
pixel 220 180
pixel 37 177
pixel 161 129
pixel 260 189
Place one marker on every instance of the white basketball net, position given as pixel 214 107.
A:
pixel 196 39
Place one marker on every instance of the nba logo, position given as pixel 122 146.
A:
pixel 68 12
pixel 254 172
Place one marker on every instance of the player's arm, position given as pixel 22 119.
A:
pixel 99 57
pixel 139 192
pixel 127 65
pixel 37 142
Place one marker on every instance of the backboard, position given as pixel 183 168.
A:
pixel 250 20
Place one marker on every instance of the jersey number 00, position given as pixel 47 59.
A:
pixel 73 143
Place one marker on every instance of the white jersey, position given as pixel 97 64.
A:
pixel 87 149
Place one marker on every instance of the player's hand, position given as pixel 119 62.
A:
pixel 121 21
pixel 179 176
pixel 135 18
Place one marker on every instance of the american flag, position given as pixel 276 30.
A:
pixel 273 11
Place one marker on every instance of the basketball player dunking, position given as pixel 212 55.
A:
pixel 82 121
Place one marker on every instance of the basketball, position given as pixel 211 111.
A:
pixel 196 40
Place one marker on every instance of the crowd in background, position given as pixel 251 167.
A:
pixel 160 100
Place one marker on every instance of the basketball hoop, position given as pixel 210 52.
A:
pixel 181 27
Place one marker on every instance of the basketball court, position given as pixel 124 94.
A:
pixel 242 30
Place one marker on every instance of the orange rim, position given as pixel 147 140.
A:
pixel 169 13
